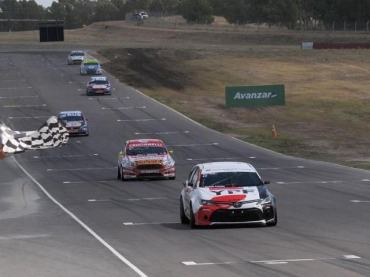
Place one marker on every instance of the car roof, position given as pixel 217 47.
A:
pixel 70 112
pixel 214 167
pixel 144 142
pixel 77 51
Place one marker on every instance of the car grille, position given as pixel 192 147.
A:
pixel 236 215
pixel 73 130
pixel 89 71
pixel 149 166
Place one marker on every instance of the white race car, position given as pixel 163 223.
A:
pixel 145 158
pixel 76 57
pixel 226 193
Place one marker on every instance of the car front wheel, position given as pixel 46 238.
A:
pixel 193 225
pixel 183 218
pixel 273 222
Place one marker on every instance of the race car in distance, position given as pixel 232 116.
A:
pixel 98 85
pixel 226 193
pixel 145 158
pixel 75 122
pixel 76 56
pixel 90 67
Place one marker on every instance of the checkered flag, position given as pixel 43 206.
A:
pixel 51 134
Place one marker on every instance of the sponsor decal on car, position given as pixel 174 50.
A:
pixel 141 162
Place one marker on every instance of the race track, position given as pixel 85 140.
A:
pixel 64 213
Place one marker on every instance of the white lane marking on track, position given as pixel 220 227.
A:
pixel 23 106
pixel 80 169
pixel 192 145
pixel 360 201
pixel 194 263
pixel 315 182
pixel 28 117
pixel 141 120
pixel 23 237
pixel 153 223
pixel 274 262
pixel 278 168
pixel 131 199
pixel 108 98
pixel 14 97
pixel 200 159
pixel 66 156
pixel 124 108
pixel 365 180
pixel 164 133
pixel 80 182
pixel 87 228
pixel 18 88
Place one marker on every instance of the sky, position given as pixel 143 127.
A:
pixel 45 3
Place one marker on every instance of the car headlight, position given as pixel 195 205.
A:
pixel 207 202
pixel 168 162
pixel 126 163
pixel 265 201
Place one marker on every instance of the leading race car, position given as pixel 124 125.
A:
pixel 145 158
pixel 98 85
pixel 90 67
pixel 75 122
pixel 226 193
pixel 76 57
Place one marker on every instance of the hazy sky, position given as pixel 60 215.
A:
pixel 45 3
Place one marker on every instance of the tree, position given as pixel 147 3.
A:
pixel 199 11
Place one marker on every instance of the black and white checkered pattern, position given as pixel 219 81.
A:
pixel 51 134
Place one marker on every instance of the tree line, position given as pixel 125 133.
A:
pixel 77 13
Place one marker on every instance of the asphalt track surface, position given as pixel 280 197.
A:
pixel 64 213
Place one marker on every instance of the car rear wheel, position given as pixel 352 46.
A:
pixel 183 218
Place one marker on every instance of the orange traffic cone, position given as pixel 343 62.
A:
pixel 274 133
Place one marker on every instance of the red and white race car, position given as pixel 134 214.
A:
pixel 226 193
pixel 145 158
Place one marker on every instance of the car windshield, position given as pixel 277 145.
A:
pixel 144 150
pixel 99 82
pixel 77 54
pixel 72 117
pixel 230 179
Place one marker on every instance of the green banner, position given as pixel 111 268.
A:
pixel 255 96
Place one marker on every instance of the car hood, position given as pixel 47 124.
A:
pixel 231 194
pixel 98 86
pixel 90 66
pixel 147 159
pixel 77 57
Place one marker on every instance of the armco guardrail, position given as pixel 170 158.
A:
pixel 255 96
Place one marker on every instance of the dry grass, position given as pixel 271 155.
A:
pixel 327 111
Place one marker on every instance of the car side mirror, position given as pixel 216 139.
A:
pixel 121 153
pixel 190 184
pixel 170 151
pixel 266 182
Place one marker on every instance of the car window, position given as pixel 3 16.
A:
pixel 71 117
pixel 146 150
pixel 100 82
pixel 231 179
pixel 194 177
